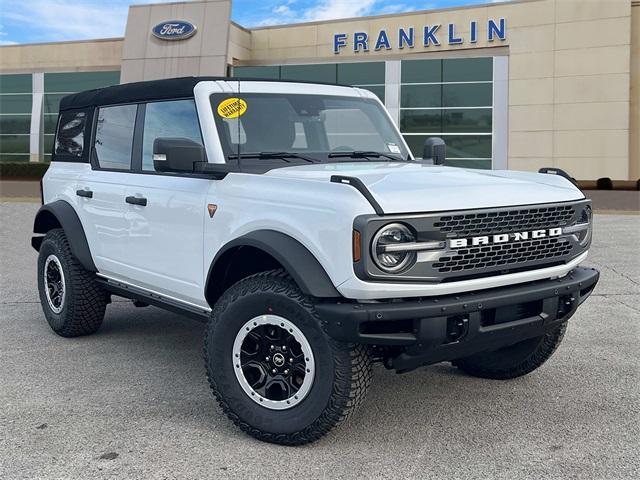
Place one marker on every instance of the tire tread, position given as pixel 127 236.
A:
pixel 548 344
pixel 85 300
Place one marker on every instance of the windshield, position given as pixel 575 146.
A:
pixel 311 128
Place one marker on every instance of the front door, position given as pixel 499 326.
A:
pixel 165 212
pixel 165 234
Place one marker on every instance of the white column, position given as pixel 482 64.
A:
pixel 500 112
pixel 35 134
pixel 392 78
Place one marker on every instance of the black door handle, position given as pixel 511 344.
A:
pixel 84 193
pixel 136 201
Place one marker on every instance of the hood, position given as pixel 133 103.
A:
pixel 408 188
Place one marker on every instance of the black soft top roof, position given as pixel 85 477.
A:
pixel 134 92
pixel 146 91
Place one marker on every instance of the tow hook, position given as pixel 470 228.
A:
pixel 565 305
pixel 457 328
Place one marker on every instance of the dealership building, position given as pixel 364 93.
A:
pixel 518 85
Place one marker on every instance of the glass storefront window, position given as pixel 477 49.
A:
pixel 420 121
pixel 14 144
pixel 271 73
pixel 15 116
pixel 467 95
pixel 15 103
pixel 452 99
pixel 309 73
pixel 482 164
pixel 378 91
pixel 468 146
pixel 467 69
pixel 50 123
pixel 467 120
pixel 47 144
pixel 15 83
pixel 12 124
pixel 71 82
pixel 462 148
pixel 367 75
pixel 421 96
pixel 450 120
pixel 422 71
pixel 52 102
pixel 13 157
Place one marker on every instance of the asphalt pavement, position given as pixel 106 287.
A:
pixel 132 401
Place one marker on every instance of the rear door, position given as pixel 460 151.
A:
pixel 102 189
pixel 165 235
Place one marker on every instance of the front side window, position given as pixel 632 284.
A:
pixel 315 126
pixel 114 136
pixel 172 119
pixel 70 134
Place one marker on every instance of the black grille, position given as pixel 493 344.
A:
pixel 483 223
pixel 487 256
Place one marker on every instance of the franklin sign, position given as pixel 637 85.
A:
pixel 426 37
pixel 174 30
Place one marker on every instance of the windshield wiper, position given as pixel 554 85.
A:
pixel 269 155
pixel 365 155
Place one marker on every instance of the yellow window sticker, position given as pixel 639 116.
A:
pixel 232 108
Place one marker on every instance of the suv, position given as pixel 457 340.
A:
pixel 295 221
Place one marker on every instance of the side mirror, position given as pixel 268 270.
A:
pixel 436 149
pixel 177 154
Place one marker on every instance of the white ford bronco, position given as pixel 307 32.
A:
pixel 294 220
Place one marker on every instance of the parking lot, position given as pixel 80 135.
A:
pixel 132 401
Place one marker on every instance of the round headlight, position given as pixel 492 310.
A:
pixel 386 248
pixel 585 220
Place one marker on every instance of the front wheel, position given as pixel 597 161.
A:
pixel 274 371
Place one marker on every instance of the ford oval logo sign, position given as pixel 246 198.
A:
pixel 174 30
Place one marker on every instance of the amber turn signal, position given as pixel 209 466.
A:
pixel 356 246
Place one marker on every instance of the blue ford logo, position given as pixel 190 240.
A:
pixel 173 30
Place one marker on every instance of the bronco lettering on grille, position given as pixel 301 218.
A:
pixel 503 238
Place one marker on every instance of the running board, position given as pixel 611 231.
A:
pixel 157 300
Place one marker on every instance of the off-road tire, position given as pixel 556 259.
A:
pixel 84 300
pixel 513 361
pixel 343 371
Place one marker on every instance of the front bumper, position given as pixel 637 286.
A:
pixel 435 329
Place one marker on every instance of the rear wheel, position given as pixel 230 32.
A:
pixel 73 303
pixel 274 371
pixel 513 361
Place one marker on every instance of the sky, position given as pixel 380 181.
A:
pixel 33 21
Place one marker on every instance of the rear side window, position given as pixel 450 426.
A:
pixel 70 134
pixel 172 119
pixel 114 136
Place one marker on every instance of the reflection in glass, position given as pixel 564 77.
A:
pixel 176 119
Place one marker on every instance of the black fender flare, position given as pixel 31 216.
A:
pixel 296 259
pixel 62 213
